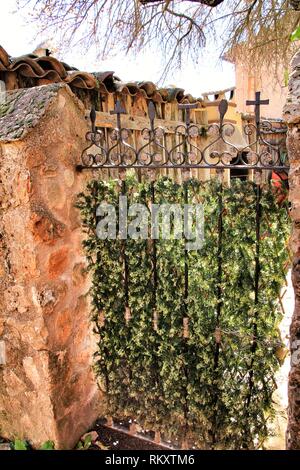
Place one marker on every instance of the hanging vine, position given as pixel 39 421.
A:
pixel 188 347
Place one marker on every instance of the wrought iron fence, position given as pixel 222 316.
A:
pixel 260 151
pixel 263 150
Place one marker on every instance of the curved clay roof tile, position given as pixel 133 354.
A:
pixel 121 87
pixel 27 63
pixel 50 63
pixel 175 94
pixel 103 89
pixel 52 69
pixel 143 93
pixel 107 79
pixel 69 68
pixel 101 76
pixel 189 98
pixel 157 97
pixel 4 57
pixel 27 71
pixel 130 88
pixel 82 80
pixel 164 93
pixel 149 88
pixel 133 88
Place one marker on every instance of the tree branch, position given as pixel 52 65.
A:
pixel 210 3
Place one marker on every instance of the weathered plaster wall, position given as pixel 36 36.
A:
pixel 292 116
pixel 47 387
pixel 269 82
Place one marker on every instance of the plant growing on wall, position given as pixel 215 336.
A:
pixel 188 339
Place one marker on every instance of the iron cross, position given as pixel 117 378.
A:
pixel 187 107
pixel 257 103
pixel 118 111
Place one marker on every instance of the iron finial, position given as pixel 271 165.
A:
pixel 223 107
pixel 187 107
pixel 151 113
pixel 93 118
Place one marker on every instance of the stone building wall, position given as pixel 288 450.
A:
pixel 292 116
pixel 47 386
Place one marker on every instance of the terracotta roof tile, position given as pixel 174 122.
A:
pixel 81 80
pixel 51 69
pixel 50 63
pixel 4 58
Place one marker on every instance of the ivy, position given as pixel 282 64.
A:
pixel 211 388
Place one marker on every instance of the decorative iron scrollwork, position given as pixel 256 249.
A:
pixel 259 152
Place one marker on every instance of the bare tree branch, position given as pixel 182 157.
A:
pixel 255 31
pixel 210 3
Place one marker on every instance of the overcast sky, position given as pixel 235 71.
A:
pixel 18 37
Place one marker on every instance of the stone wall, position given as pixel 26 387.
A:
pixel 47 387
pixel 292 116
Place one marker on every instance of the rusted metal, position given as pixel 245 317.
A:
pixel 257 103
pixel 223 108
pixel 118 111
pixel 187 108
pixel 260 151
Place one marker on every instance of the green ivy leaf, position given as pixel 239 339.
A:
pixel 48 445
pixel 20 445
pixel 158 377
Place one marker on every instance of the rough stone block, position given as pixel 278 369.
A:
pixel 47 386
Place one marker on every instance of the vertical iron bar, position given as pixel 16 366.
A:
pixel 126 289
pixel 253 347
pixel 220 260
pixel 256 290
pixel 106 352
pixel 219 306
pixel 185 346
pixel 186 265
pixel 154 252
pixel 156 359
pixel 125 261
